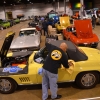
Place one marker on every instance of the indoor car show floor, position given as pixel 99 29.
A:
pixel 69 91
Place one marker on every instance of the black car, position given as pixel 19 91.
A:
pixel 12 22
pixel 32 24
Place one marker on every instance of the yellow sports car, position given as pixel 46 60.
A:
pixel 21 68
pixel 63 23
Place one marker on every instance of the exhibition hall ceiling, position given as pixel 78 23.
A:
pixel 16 2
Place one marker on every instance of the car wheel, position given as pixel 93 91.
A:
pixel 87 80
pixel 7 86
pixel 94 45
pixel 1 28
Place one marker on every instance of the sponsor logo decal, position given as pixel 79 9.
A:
pixel 12 69
pixel 56 55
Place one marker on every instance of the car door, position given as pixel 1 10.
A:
pixel 64 75
pixel 33 70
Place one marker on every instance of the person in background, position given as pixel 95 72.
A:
pixel 45 27
pixel 93 21
pixel 55 58
pixel 42 18
pixel 36 18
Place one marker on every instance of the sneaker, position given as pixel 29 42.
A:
pixel 58 97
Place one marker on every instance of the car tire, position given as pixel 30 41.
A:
pixel 87 80
pixel 1 28
pixel 94 45
pixel 7 85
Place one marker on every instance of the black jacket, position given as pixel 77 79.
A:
pixel 55 58
pixel 45 24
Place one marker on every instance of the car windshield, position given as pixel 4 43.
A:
pixel 28 32
pixel 41 55
pixel 73 53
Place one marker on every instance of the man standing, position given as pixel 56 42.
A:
pixel 55 58
pixel 93 21
pixel 45 27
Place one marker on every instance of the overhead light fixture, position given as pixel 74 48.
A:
pixel 10 4
pixel 18 1
pixel 28 0
pixel 67 0
pixel 4 1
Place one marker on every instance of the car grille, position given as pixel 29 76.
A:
pixel 24 79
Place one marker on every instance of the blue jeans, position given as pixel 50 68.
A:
pixel 49 79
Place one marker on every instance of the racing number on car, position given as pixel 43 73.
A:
pixel 56 55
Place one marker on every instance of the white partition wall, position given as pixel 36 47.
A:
pixel 2 14
pixel 32 9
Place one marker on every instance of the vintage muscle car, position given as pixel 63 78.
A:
pixel 33 24
pixel 17 20
pixel 28 39
pixel 23 19
pixel 21 68
pixel 63 23
pixel 12 22
pixel 81 33
pixel 4 24
pixel 76 15
pixel 53 20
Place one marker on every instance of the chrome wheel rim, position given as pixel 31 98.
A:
pixel 5 85
pixel 88 80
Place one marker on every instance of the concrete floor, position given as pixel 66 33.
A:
pixel 69 91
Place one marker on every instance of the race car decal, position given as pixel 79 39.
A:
pixel 12 69
pixel 56 55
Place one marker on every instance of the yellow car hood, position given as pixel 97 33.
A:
pixel 64 21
